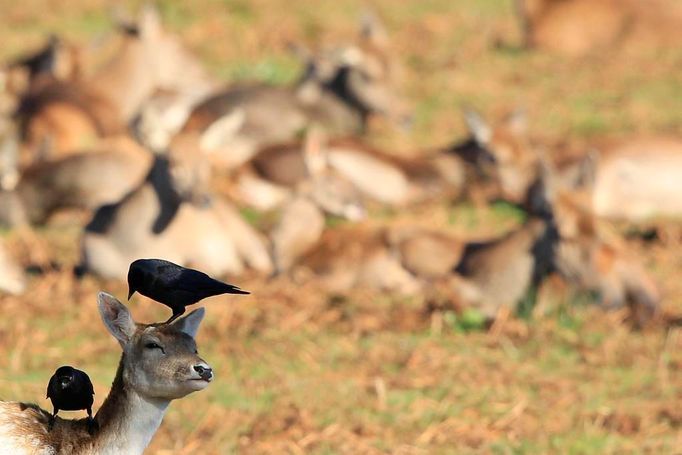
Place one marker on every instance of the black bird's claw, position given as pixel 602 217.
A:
pixel 92 425
pixel 50 424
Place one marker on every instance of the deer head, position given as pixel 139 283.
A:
pixel 160 361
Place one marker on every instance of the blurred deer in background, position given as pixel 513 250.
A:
pixel 634 180
pixel 86 180
pixel 587 258
pixel 376 175
pixel 400 260
pixel 581 27
pixel 495 162
pixel 71 114
pixel 159 364
pixel 172 215
pixel 338 91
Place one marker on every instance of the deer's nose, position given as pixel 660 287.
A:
pixel 205 372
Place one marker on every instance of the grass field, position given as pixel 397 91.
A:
pixel 298 372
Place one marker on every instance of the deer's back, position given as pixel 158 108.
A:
pixel 273 114
pixel 639 179
pixel 23 429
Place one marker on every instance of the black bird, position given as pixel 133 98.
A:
pixel 173 285
pixel 70 389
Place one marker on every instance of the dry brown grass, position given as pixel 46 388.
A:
pixel 299 372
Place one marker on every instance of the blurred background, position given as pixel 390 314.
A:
pixel 459 220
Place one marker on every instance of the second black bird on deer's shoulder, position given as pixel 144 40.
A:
pixel 173 285
pixel 70 389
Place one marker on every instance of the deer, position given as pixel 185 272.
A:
pixel 633 180
pixel 397 260
pixel 494 162
pixel 628 179
pixel 338 91
pixel 377 175
pixel 577 28
pixel 72 114
pixel 171 214
pixel 159 364
pixel 101 175
pixel 586 257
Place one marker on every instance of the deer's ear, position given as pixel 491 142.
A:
pixel 587 169
pixel 190 324
pixel 116 317
pixel 478 127
pixel 149 22
pixel 373 30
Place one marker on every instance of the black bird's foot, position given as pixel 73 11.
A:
pixel 92 426
pixel 174 317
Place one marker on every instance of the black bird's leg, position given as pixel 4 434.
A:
pixel 53 419
pixel 176 314
pixel 91 422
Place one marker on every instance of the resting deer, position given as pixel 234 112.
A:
pixel 86 180
pixel 630 179
pixel 339 93
pixel 159 364
pixel 402 259
pixel 376 175
pixel 70 114
pixel 634 180
pixel 581 27
pixel 170 215
pixel 588 259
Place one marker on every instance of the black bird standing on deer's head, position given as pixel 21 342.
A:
pixel 70 389
pixel 173 285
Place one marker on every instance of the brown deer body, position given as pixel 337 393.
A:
pixel 69 114
pixel 87 180
pixel 168 215
pixel 337 92
pixel 581 27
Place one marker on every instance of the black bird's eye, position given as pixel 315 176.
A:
pixel 196 351
pixel 152 345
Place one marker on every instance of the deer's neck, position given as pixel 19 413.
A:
pixel 127 421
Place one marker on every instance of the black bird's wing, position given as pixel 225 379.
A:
pixel 85 382
pixel 195 281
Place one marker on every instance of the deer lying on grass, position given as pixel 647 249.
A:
pixel 401 259
pixel 56 60
pixel 631 179
pixel 170 215
pixel 12 277
pixel 159 364
pixel 70 114
pixel 492 163
pixel 278 170
pixel 87 180
pixel 580 27
pixel 338 92
pixel 490 275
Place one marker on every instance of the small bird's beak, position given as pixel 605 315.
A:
pixel 130 293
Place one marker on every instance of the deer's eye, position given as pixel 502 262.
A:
pixel 152 345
